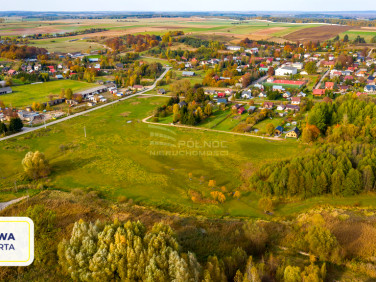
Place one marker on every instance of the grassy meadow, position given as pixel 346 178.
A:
pixel 25 95
pixel 117 159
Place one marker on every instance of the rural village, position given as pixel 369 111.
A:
pixel 192 146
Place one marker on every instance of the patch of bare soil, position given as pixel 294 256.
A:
pixel 317 33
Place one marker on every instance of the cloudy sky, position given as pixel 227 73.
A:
pixel 187 5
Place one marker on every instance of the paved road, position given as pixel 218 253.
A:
pixel 322 78
pixel 3 205
pixel 370 52
pixel 208 129
pixel 30 129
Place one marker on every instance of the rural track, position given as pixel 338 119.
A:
pixel 4 205
pixel 28 129
pixel 145 120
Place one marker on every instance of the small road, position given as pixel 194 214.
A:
pixel 28 129
pixel 145 120
pixel 261 79
pixel 3 205
pixel 370 52
pixel 321 79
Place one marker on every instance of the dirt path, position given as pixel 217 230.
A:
pixel 145 120
pixel 3 205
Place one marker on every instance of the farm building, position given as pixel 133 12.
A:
pixel 188 73
pixel 5 90
pixel 293 133
pixel 233 48
pixel 93 91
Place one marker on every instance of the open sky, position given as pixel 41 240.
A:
pixel 184 5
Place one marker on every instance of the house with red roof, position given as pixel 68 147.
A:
pixel 221 95
pixel 329 85
pixel 318 92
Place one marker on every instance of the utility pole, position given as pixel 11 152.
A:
pixel 85 130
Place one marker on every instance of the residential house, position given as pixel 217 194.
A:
pixel 251 109
pixel 318 92
pixel 293 133
pixel 370 89
pixel 236 106
pixel 268 105
pixel 161 91
pixel 294 108
pixel 286 95
pixel 210 92
pixel 301 94
pixel 295 100
pixel 281 107
pixel 278 130
pixel 138 87
pixel 221 95
pixel 262 95
pixel 182 104
pixel 71 102
pixel 329 85
pixel 241 110
pixel 247 94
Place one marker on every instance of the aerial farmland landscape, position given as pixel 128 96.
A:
pixel 215 142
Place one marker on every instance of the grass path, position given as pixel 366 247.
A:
pixel 145 120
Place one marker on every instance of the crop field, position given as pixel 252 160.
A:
pixel 224 30
pixel 318 33
pixel 367 34
pixel 118 158
pixel 25 95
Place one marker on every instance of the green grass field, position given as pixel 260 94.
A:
pixel 117 159
pixel 25 95
pixel 367 34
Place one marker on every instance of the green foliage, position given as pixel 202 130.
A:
pixel 346 170
pixel 323 244
pixel 310 67
pixel 15 124
pixel 292 274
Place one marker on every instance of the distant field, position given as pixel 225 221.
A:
pixel 25 95
pixel 367 34
pixel 228 31
pixel 318 33
pixel 65 44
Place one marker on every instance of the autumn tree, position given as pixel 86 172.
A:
pixel 36 165
pixel 265 204
pixel 270 129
